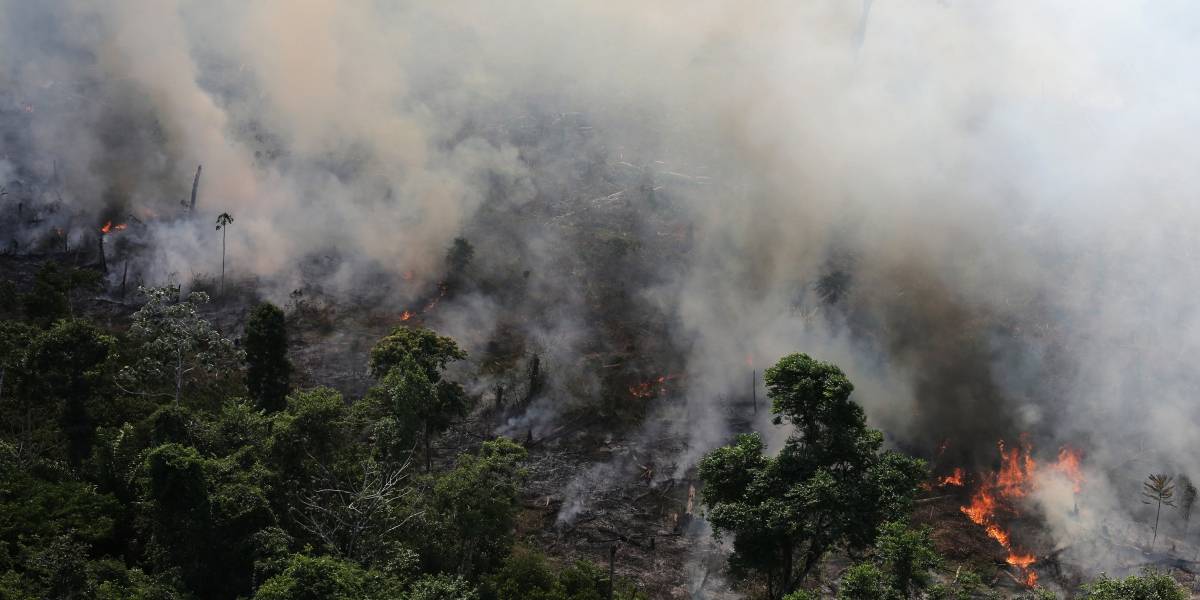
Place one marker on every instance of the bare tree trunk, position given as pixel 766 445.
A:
pixel 195 187
pixel 221 291
pixel 1157 513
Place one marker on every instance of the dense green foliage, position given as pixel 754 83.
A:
pixel 830 486
pixel 1148 586
pixel 162 463
pixel 268 371
pixel 527 575
pixel 411 362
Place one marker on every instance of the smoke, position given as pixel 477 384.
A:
pixel 984 212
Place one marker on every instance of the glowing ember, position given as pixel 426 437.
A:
pixel 955 478
pixel 652 388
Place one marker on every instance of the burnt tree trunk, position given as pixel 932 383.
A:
pixel 195 188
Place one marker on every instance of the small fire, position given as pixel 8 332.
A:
pixel 955 478
pixel 108 227
pixel 652 388
pixel 441 293
pixel 408 315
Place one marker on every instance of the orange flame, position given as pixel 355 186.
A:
pixel 108 226
pixel 955 478
pixel 1068 465
pixel 406 315
pixel 997 491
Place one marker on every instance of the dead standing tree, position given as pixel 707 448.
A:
pixel 195 188
pixel 358 517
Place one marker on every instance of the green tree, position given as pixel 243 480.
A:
pixel 311 444
pixel 442 587
pixel 206 516
pixel 469 512
pixel 327 578
pixel 411 363
pixel 224 220
pixel 175 347
pixel 268 371
pixel 68 365
pixel 907 555
pixel 14 341
pixel 528 575
pixel 53 286
pixel 525 575
pixel 829 485
pixel 864 581
pixel 1150 585
pixel 431 351
pixel 1160 490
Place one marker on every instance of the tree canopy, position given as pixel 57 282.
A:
pixel 830 485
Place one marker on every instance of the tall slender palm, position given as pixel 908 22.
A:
pixel 223 222
pixel 1160 489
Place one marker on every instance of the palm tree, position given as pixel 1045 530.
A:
pixel 223 222
pixel 1160 489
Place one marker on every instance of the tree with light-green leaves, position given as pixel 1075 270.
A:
pixel 176 349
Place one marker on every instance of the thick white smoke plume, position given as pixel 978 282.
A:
pixel 986 212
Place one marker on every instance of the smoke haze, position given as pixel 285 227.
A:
pixel 985 212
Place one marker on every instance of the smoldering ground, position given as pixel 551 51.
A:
pixel 984 212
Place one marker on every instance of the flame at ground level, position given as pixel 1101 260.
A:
pixel 999 491
pixel 956 478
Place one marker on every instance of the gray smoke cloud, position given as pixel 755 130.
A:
pixel 985 212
